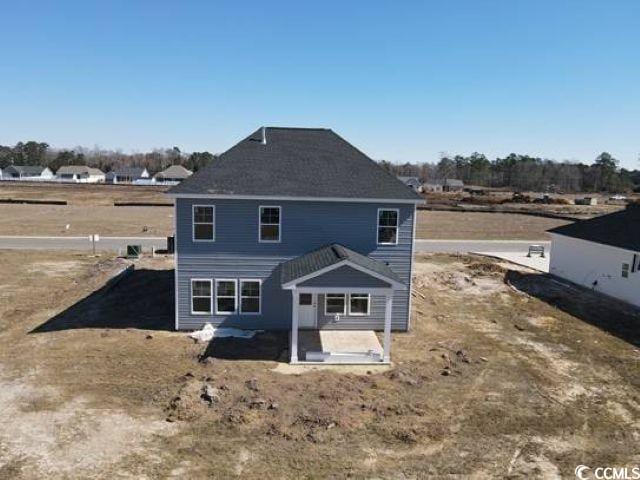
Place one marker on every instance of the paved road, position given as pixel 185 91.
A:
pixel 79 243
pixel 116 243
pixel 464 246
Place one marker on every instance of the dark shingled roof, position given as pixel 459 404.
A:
pixel 330 255
pixel 296 162
pixel 129 171
pixel 620 229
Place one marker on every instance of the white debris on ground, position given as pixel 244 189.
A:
pixel 209 332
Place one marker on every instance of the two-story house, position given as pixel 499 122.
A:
pixel 294 228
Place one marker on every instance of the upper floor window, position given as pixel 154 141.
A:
pixel 388 226
pixel 270 222
pixel 204 222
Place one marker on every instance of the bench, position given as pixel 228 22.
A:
pixel 536 249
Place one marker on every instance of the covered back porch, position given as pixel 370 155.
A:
pixel 339 299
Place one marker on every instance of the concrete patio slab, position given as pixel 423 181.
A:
pixel 520 258
pixel 339 346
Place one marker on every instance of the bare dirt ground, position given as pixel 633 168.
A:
pixel 483 226
pixel 505 373
pixel 90 210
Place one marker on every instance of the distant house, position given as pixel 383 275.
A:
pixel 602 253
pixel 411 182
pixel 80 174
pixel 432 187
pixel 173 174
pixel 446 185
pixel 452 185
pixel 27 172
pixel 126 175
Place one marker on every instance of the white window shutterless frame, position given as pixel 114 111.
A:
pixel 269 223
pixel 387 226
pixel 203 223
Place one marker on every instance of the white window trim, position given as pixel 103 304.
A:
pixel 193 223
pixel 397 210
pixel 344 307
pixel 240 297
pixel 235 297
pixel 260 207
pixel 210 282
pixel 360 295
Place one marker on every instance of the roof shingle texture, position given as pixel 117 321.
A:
pixel 620 229
pixel 330 255
pixel 296 162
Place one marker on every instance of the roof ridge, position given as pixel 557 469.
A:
pixel 321 129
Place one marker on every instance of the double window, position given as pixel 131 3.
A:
pixel 200 296
pixel 204 223
pixel 359 304
pixel 336 304
pixel 270 223
pixel 388 226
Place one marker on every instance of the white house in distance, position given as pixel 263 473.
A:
pixel 80 174
pixel 601 253
pixel 27 173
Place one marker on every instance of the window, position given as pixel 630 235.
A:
pixel 359 304
pixel 305 299
pixel 270 224
pixel 625 270
pixel 203 222
pixel 334 303
pixel 225 296
pixel 250 296
pixel 200 296
pixel 387 226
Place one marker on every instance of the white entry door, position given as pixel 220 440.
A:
pixel 307 310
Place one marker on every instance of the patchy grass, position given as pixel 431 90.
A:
pixel 504 373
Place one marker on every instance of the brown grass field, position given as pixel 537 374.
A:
pixel 434 224
pixel 504 373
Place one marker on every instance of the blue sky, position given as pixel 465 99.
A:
pixel 402 80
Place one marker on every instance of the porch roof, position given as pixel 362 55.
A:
pixel 331 257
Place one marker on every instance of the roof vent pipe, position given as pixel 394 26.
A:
pixel 264 136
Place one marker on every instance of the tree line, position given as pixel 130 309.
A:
pixel 39 153
pixel 526 173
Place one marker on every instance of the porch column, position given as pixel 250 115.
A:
pixel 294 326
pixel 386 347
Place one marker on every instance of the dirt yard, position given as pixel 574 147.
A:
pixel 483 226
pixel 505 373
pixel 90 210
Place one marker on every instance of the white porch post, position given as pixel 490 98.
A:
pixel 294 326
pixel 386 347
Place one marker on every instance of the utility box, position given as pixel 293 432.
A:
pixel 134 251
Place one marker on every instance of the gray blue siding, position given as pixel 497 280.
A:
pixel 237 254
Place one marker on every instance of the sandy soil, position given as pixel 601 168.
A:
pixel 483 226
pixel 505 373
